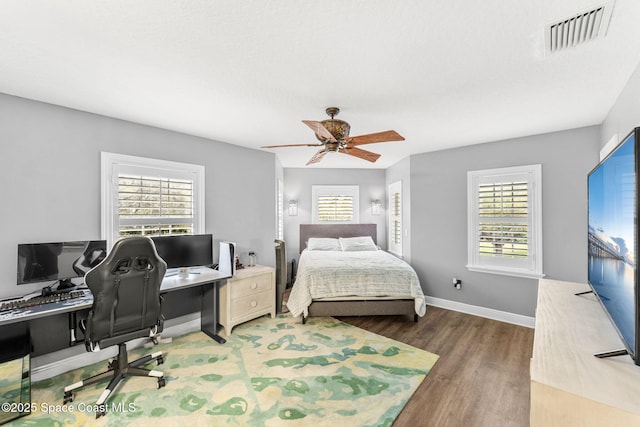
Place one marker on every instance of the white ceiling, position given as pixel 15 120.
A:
pixel 441 73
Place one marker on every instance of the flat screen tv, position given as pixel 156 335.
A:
pixel 59 261
pixel 613 241
pixel 185 251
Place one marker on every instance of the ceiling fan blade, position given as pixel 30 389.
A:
pixel 386 136
pixel 319 130
pixel 292 145
pixel 317 157
pixel 360 153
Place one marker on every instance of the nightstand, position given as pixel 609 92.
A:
pixel 249 294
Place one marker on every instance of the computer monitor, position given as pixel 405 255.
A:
pixel 184 251
pixel 59 261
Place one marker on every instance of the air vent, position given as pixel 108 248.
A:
pixel 579 29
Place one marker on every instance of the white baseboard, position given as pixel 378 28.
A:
pixel 489 313
pixel 52 364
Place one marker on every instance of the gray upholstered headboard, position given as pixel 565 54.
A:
pixel 336 230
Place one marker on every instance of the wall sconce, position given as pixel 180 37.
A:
pixel 375 207
pixel 293 207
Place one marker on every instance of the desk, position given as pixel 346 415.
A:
pixel 201 276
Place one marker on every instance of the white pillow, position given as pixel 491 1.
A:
pixel 354 244
pixel 323 244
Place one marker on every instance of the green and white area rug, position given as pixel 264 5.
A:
pixel 271 372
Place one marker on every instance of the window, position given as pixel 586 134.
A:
pixel 395 218
pixel 335 204
pixel 150 197
pixel 505 221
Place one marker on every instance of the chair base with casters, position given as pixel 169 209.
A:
pixel 119 369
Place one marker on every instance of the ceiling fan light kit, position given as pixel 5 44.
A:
pixel 333 134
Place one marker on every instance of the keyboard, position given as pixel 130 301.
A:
pixel 40 300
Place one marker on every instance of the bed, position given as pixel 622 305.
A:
pixel 341 272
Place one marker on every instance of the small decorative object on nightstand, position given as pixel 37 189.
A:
pixel 249 294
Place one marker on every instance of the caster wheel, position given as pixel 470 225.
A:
pixel 68 397
pixel 161 382
pixel 160 360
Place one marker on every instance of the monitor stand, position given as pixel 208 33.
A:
pixel 182 272
pixel 611 353
pixel 604 353
pixel 64 286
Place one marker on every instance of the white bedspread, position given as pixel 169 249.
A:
pixel 325 274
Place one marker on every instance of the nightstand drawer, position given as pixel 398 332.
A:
pixel 241 307
pixel 250 285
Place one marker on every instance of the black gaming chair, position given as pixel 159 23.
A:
pixel 126 305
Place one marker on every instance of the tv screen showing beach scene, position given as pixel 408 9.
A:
pixel 612 238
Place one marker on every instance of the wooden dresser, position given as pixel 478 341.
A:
pixel 249 294
pixel 569 386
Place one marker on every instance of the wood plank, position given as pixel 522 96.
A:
pixel 481 378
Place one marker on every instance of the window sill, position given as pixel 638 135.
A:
pixel 505 272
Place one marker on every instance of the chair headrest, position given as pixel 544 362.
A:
pixel 135 253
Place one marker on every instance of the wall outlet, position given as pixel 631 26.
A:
pixel 457 283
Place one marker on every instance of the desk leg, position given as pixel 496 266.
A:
pixel 209 312
pixel 72 328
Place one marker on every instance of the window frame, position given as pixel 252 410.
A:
pixel 336 190
pixel 113 164
pixel 529 267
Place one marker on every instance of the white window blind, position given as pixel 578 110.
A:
pixel 505 221
pixel 280 208
pixel 397 232
pixel 335 208
pixel 503 209
pixel 142 196
pixel 395 218
pixel 336 204
pixel 154 205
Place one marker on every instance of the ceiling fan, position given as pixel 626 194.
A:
pixel 333 134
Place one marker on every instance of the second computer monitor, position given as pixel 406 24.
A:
pixel 186 250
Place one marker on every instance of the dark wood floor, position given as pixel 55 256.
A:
pixel 481 378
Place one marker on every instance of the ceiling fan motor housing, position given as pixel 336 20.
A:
pixel 338 128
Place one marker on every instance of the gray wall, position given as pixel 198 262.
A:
pixel 51 180
pixel 439 216
pixel 625 113
pixel 297 186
